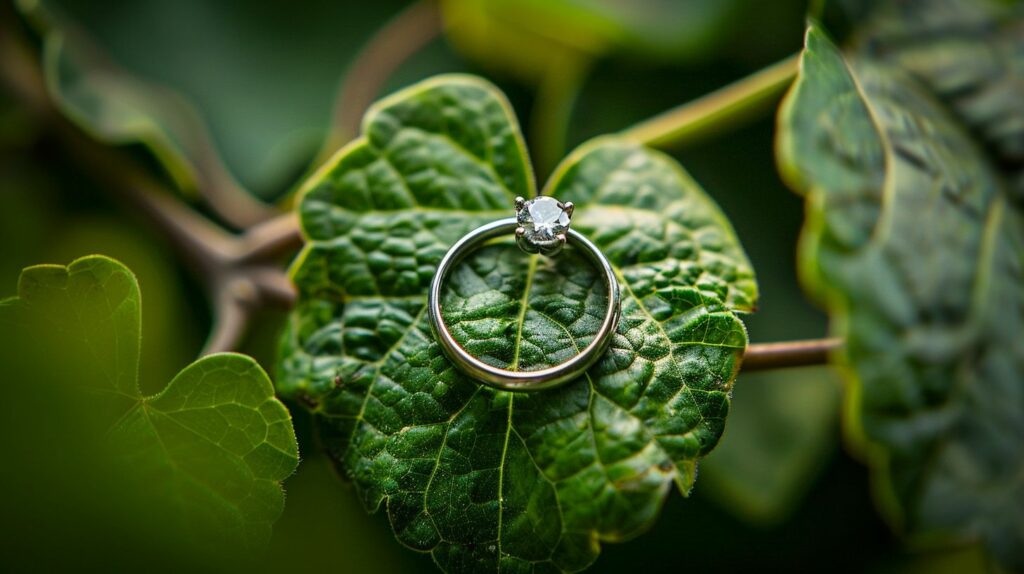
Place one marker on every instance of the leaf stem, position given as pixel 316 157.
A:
pixel 722 109
pixel 387 49
pixel 765 356
pixel 552 112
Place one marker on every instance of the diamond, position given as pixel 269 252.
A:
pixel 543 219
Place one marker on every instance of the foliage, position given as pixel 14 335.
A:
pixel 230 96
pixel 195 468
pixel 906 143
pixel 914 242
pixel 116 107
pixel 490 480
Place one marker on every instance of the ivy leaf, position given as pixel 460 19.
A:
pixel 912 242
pixel 199 463
pixel 488 480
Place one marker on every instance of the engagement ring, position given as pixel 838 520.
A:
pixel 541 225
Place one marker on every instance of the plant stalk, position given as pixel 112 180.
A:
pixel 788 354
pixel 718 111
pixel 393 44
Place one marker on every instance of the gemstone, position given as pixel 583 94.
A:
pixel 544 219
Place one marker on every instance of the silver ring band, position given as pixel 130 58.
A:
pixel 521 380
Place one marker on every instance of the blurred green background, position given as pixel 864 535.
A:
pixel 779 493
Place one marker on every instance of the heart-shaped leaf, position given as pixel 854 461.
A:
pixel 195 468
pixel 489 480
pixel 913 244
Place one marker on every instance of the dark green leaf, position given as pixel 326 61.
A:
pixel 490 480
pixel 199 463
pixel 913 244
pixel 969 53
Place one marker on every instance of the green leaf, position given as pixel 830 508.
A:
pixel 199 463
pixel 117 108
pixel 969 54
pixel 915 248
pixel 489 480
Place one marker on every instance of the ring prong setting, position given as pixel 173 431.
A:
pixel 525 245
pixel 542 224
pixel 556 248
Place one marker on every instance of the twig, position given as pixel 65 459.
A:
pixel 232 319
pixel 716 111
pixel 240 272
pixel 764 356
pixel 273 238
pixel 393 44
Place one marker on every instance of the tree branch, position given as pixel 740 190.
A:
pixel 764 356
pixel 717 111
